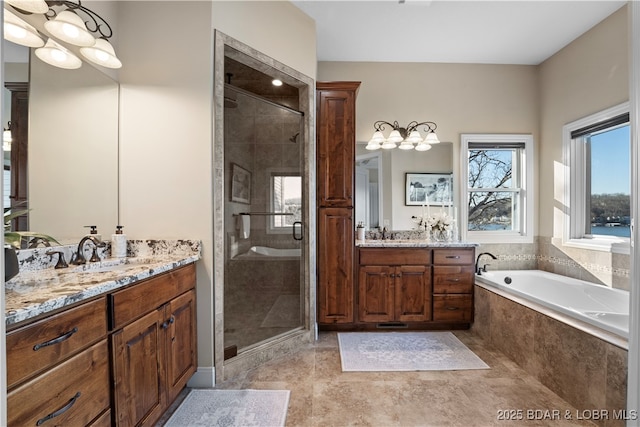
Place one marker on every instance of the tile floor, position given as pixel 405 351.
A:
pixel 323 395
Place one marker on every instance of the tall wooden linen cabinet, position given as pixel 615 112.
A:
pixel 335 131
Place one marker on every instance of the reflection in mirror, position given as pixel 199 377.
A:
pixel 368 190
pixel 390 185
pixel 71 165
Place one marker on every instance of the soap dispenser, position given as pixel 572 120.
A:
pixel 118 243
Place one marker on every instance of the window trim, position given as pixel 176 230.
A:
pixel 526 189
pixel 573 234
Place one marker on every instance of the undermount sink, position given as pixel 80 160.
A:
pixel 109 265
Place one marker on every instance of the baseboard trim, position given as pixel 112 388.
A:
pixel 205 377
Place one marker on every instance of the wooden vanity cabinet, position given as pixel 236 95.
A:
pixel 394 285
pixel 153 345
pixel 453 278
pixel 58 368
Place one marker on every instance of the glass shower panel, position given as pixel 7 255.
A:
pixel 263 273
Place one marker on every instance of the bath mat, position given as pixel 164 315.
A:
pixel 405 351
pixel 285 313
pixel 266 408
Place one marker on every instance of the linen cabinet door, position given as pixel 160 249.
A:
pixel 335 144
pixel 335 265
pixel 180 326
pixel 413 293
pixel 375 293
pixel 138 371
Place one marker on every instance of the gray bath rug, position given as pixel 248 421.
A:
pixel 285 313
pixel 265 408
pixel 405 351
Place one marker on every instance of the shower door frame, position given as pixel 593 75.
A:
pixel 281 344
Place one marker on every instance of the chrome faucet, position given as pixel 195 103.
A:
pixel 479 269
pixel 79 258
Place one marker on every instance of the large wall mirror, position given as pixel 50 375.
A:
pixel 380 182
pixel 71 137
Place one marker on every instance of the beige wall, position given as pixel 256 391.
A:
pixel 460 98
pixel 167 116
pixel 587 76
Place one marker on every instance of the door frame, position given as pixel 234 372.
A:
pixel 281 344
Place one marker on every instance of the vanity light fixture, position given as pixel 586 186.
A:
pixel 76 25
pixel 57 55
pixel 18 31
pixel 406 136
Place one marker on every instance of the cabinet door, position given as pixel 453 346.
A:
pixel 413 293
pixel 375 293
pixel 137 370
pixel 180 326
pixel 335 265
pixel 336 147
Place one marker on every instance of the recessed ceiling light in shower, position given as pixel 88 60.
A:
pixel 276 82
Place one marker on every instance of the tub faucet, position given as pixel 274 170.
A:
pixel 479 269
pixel 79 258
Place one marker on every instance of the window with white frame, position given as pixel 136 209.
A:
pixel 497 172
pixel 286 197
pixel 598 195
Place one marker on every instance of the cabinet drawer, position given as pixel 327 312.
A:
pixel 395 256
pixel 131 303
pixel 453 280
pixel 40 345
pixel 452 308
pixel 454 256
pixel 73 393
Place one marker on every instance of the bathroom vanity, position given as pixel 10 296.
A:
pixel 104 344
pixel 408 285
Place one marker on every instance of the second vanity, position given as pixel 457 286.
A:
pixel 407 284
pixel 109 343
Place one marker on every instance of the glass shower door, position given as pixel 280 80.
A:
pixel 263 251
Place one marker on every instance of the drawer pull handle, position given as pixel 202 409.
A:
pixel 453 256
pixel 454 280
pixel 58 340
pixel 60 411
pixel 452 308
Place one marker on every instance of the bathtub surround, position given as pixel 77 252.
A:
pixel 585 370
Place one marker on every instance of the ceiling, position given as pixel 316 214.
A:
pixel 488 32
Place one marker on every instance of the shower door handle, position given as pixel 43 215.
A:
pixel 297 236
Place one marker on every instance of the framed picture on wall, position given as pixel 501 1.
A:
pixel 240 184
pixel 434 189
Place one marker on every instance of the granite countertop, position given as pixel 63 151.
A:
pixel 32 293
pixel 412 243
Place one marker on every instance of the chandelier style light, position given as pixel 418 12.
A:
pixel 75 24
pixel 409 137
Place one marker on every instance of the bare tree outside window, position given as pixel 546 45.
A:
pixel 493 194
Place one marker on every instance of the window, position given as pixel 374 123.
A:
pixel 286 196
pixel 498 180
pixel 598 156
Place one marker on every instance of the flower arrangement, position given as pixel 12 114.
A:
pixel 439 221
